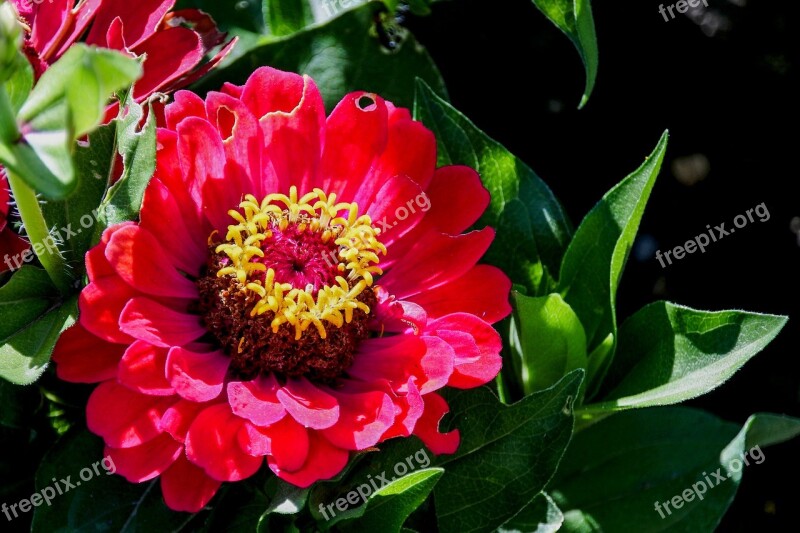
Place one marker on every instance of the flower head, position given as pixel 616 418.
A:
pixel 298 288
pixel 174 43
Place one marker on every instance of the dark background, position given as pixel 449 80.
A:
pixel 725 83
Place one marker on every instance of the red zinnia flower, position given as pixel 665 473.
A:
pixel 12 245
pixel 174 42
pixel 298 288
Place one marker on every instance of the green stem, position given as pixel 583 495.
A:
pixel 36 227
pixel 9 133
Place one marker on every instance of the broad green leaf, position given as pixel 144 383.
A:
pixel 24 356
pixel 27 296
pixel 288 499
pixel 609 480
pixel 284 17
pixel 596 257
pixel 552 341
pixel 19 85
pixel 73 220
pixel 67 102
pixel 506 456
pixel 532 230
pixel 668 354
pixel 574 18
pixel 388 508
pixel 541 515
pixel 100 501
pixel 138 150
pixel 342 55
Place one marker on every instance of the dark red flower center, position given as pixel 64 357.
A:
pixel 289 290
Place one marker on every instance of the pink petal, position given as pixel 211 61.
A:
pixel 477 346
pixel 395 210
pixel 308 404
pixel 186 487
pixel 142 369
pixel 141 19
pixel 144 462
pixel 198 377
pixel 363 419
pixel 146 320
pixel 170 54
pixel 185 104
pixel 286 442
pixel 97 266
pixel 256 400
pixel 212 445
pixel 427 428
pixel 178 418
pixel 101 303
pixel 48 22
pixel 457 199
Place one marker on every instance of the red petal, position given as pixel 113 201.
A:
pixel 308 404
pixel 198 377
pixel 186 487
pixel 427 428
pixel 355 136
pixel 12 246
pixel 97 266
pixel 436 259
pixel 396 210
pixel 483 292
pixel 457 199
pixel 185 104
pixel 47 24
pixel 391 358
pixel 140 260
pixel 141 19
pixel 478 357
pixel 142 369
pixel 286 442
pixel 292 117
pixel 411 408
pixel 256 400
pixel 101 302
pixel 81 357
pixel 170 54
pixel 212 445
pixel 122 417
pixel 146 320
pixel 324 461
pixel 142 463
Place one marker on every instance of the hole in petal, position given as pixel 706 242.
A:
pixel 226 121
pixel 366 103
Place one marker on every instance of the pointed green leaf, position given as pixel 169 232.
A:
pixel 532 230
pixel 596 257
pixel 541 515
pixel 574 18
pixel 284 17
pixel 551 338
pixel 669 353
pixel 506 456
pixel 27 296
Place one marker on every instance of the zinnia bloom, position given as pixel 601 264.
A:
pixel 298 288
pixel 12 245
pixel 174 42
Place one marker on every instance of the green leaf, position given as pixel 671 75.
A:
pixel 25 355
pixel 284 17
pixel 102 502
pixel 574 18
pixel 506 456
pixel 17 402
pixel 67 102
pixel 596 257
pixel 237 508
pixel 608 480
pixel 19 85
pixel 342 55
pixel 541 515
pixel 532 230
pixel 288 499
pixel 138 150
pixel 668 354
pixel 27 296
pixel 73 220
pixel 388 508
pixel 551 339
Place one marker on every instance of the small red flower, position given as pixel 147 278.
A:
pixel 174 43
pixel 12 246
pixel 298 288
